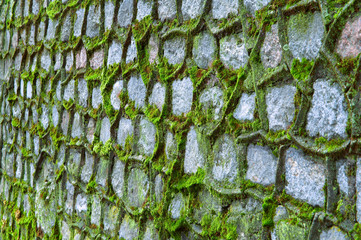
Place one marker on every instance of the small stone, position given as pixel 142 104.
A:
pixel 254 5
pixel 31 40
pixel 212 98
pixel 305 178
pixel 305 34
pixel 110 218
pixel 102 173
pixel 137 90
pixel 87 170
pixel 328 112
pixel 69 61
pixel 41 32
pixel 192 8
pixel 195 155
pixel 125 130
pixel 93 21
pixel 262 165
pixel 333 233
pixel 342 177
pixel 349 44
pixel 175 50
pixel 204 50
pixel 79 22
pixel 35 7
pixel 65 231
pixel 125 13
pixel 77 127
pixel 245 108
pixel 281 213
pixel 55 116
pixel 176 206
pixel 233 53
pixel 83 92
pixel 105 130
pixel 158 187
pixel 182 96
pixel 114 53
pixel 44 117
pixel 138 186
pixel 284 230
pixel 128 229
pixel 144 8
pixel 58 61
pixel 108 14
pixel 45 60
pixel 131 51
pixel 280 107
pixel 223 9
pixel 96 210
pixel 81 205
pixel 69 198
pixel 151 233
pixel 167 9
pixel 81 58
pixel 147 137
pixel 66 28
pixel 170 146
pixel 158 96
pixel 271 51
pixel 29 90
pixel 114 96
pixel 153 48
pixel 118 177
pixel 97 98
pixel 65 122
pixel 69 90
pixel 50 33
pixel 90 130
pixel 96 61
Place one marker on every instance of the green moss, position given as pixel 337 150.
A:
pixel 269 210
pixel 347 66
pixel 300 70
pixel 188 181
pixel 92 186
pixel 54 8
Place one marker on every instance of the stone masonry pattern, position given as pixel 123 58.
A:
pixel 180 119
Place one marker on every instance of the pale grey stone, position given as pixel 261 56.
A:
pixel 305 34
pixel 65 231
pixel 111 213
pixel 358 190
pixel 58 91
pixel 102 173
pixel 144 8
pixel 58 61
pixel 271 51
pixel 96 210
pixel 69 91
pixel 17 61
pixel 44 119
pixel 158 96
pixel 245 108
pixel 36 145
pixel 69 61
pixel 170 146
pixel 212 98
pixel 328 114
pixel 105 130
pixel 175 50
pixel 19 167
pixel 131 51
pixel 285 230
pixel 137 90
pixel 151 233
pixel 280 107
pixel 262 165
pixel 158 188
pixel 77 127
pixel 55 116
pixel 114 96
pixel 114 53
pixel 254 5
pixel 204 50
pixel 45 60
pixel 195 156
pixel 97 97
pixel 153 49
pixel 81 205
pixel 35 7
pixel 305 178
pixel 233 52
pixel 41 32
pixel 138 186
pixel 38 86
pixel 192 8
pixel 125 130
pixel 281 213
pixel 83 92
pixel 167 9
pixel 66 29
pixel 52 24
pixel 78 25
pixel 118 177
pixel 208 205
pixel 93 21
pixel 129 229
pixel 177 206
pixel 342 178
pixel 334 233
pixel 87 170
pixel 182 96
pixel 69 198
pixel 90 130
pixel 65 122
pixel 147 137
pixel 81 58
pixel 125 13
pixel 31 40
pixel 224 8
pixel 108 14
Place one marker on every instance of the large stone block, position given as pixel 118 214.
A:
pixel 245 108
pixel 125 130
pixel 114 53
pixel 271 51
pixel 192 8
pixel 144 8
pixel 125 13
pixel 233 52
pixel 137 90
pixel 118 177
pixel 138 187
pixel 223 9
pixel 147 137
pixel 175 50
pixel 182 96
pixel 167 9
pixel 114 96
pixel 158 96
pixel 204 49
pixel 177 206
pixel 129 229
pixel 93 21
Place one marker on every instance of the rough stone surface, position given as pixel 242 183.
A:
pixel 118 177
pixel 90 130
pixel 192 8
pixel 114 53
pixel 109 8
pixel 131 52
pixel 81 58
pixel 97 98
pixel 305 177
pixel 96 211
pixel 125 130
pixel 45 60
pixel 195 156
pixel 69 61
pixel 177 206
pixel 82 92
pixel 125 13
pixel 167 9
pixel 262 165
pixel 66 28
pixel 342 177
pixel 212 99
pixel 158 187
pixel 332 234
pixel 105 130
pixel 129 228
pixel 280 107
pixel 174 50
pixel 114 97
pixel 153 48
pixel 223 9
pixel 81 205
pixel 254 5
pixel 204 49
pixel 349 44
pixel 245 108
pixel 77 127
pixel 138 186
pixel 305 35
pixel 69 90
pixel 87 170
pixel 158 96
pixel 182 96
pixel 233 53
pixel 327 116
pixel 144 8
pixel 271 51
pixel 96 61
pixel 78 25
pixel 137 90
pixel 147 137
pixel 93 21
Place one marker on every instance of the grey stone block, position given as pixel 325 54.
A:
pixel 90 130
pixel 177 206
pixel 81 58
pixel 233 53
pixel 333 233
pixel 223 9
pixel 167 9
pixel 182 96
pixel 45 60
pixel 158 96
pixel 69 61
pixel 192 8
pixel 93 21
pixel 212 99
pixel 204 50
pixel 125 130
pixel 271 51
pixel 81 205
pixel 114 96
pixel 96 210
pixel 158 188
pixel 147 137
pixel 108 14
pixel 245 108
pixel 96 61
pixel 66 28
pixel 87 170
pixel 118 177
pixel 144 8
pixel 254 5
pixel 105 130
pixel 195 155
pixel 138 186
pixel 50 33
pixel 77 126
pixel 79 21
pixel 125 13
pixel 44 119
pixel 131 52
pixel 82 92
pixel 55 116
pixel 174 50
pixel 97 98
pixel 114 53
pixel 111 213
pixel 137 90
pixel 69 90
pixel 129 229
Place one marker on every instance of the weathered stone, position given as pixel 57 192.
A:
pixel 285 230
pixel 212 99
pixel 167 9
pixel 334 233
pixel 105 130
pixel 153 48
pixel 305 178
pixel 55 116
pixel 77 127
pixel 69 90
pixel 129 229
pixel 41 32
pixel 69 198
pixel 144 8
pixel 69 61
pixel 97 98
pixel 305 35
pixel 204 50
pixel 225 162
pixel 170 146
pixel 65 122
pixel 245 108
pixel 328 113
pixel 93 21
pixel 108 14
pixel 81 58
pixel 358 190
pixel 44 119
pixel 50 33
pixel 131 52
pixel 111 213
pixel 254 5
pixel 262 165
pixel 151 233
pixel 271 51
pixel 137 90
pixel 158 188
pixel 280 107
pixel 182 96
pixel 195 155
pixel 114 96
pixel 82 92
pixel 78 25
pixel 45 60
pixel 158 96
pixel 342 177
pixel 114 53
pixel 31 40
pixel 349 44
pixel 147 137
pixel 96 61
pixel 175 50
pixel 192 8
pixel 29 90
pixel 125 13
pixel 90 130
pixel 66 28
pixel 125 130
pixel 58 61
pixel 118 177
pixel 138 186
pixel 233 53
pixel 87 170
pixel 96 210
pixel 102 173
pixel 81 205
pixel 281 213
pixel 177 206
pixel 223 9
pixel 65 231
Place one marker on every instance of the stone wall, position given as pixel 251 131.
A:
pixel 180 119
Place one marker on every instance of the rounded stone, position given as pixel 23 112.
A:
pixel 204 50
